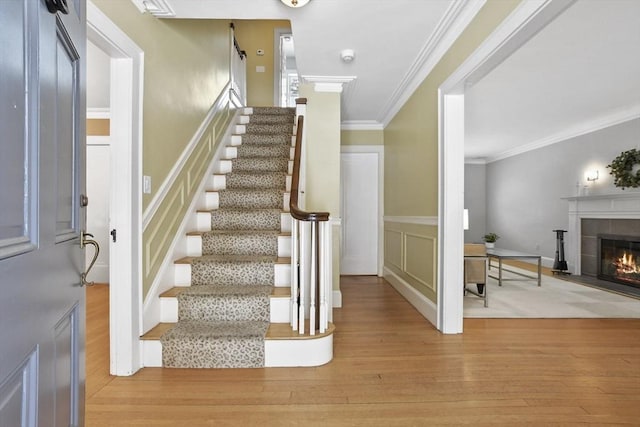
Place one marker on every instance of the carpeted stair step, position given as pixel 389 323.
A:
pixel 247 270
pixel 224 303
pixel 266 139
pixel 273 110
pixel 246 219
pixel 240 242
pixel 249 179
pixel 207 344
pixel 260 164
pixel 251 198
pixel 282 150
pixel 279 128
pixel 271 119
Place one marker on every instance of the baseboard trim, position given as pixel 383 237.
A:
pixel 337 299
pixel 424 305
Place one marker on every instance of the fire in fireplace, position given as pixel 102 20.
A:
pixel 619 259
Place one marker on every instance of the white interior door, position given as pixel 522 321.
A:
pixel 42 302
pixel 359 176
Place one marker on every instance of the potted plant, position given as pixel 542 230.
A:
pixel 490 240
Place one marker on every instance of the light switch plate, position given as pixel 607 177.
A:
pixel 260 69
pixel 146 184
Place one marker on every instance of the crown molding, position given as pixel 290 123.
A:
pixel 361 125
pixel 595 125
pixel 157 8
pixel 452 24
pixel 475 161
pixel 328 83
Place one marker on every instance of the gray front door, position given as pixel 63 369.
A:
pixel 42 302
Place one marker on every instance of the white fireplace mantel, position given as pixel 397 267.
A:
pixel 624 205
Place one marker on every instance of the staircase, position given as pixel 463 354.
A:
pixel 230 306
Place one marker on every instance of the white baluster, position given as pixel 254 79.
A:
pixel 295 280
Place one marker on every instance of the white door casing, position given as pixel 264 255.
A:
pixel 361 188
pixel 42 302
pixel 125 263
pixel 359 213
pixel 522 24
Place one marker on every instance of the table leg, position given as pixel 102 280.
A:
pixel 539 272
pixel 499 271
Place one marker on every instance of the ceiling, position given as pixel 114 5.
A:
pixel 580 72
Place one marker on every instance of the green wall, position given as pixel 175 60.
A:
pixel 362 137
pixel 186 66
pixel 411 156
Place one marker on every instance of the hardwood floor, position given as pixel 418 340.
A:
pixel 391 368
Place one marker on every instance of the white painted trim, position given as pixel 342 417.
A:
pixel 98 140
pixel 523 23
pixel 452 24
pixel 164 279
pixel 277 61
pixel 333 84
pixel 420 220
pixel 164 188
pixel 585 128
pixel 450 210
pixel 99 113
pixel 424 305
pixel 361 125
pixel 379 150
pixel 337 298
pixel 125 291
pixel 475 161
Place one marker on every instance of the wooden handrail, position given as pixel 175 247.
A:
pixel 241 53
pixel 295 211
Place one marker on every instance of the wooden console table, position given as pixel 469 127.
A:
pixel 502 254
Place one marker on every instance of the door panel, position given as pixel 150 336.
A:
pixel 42 307
pixel 14 214
pixel 359 176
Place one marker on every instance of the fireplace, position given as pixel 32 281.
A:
pixel 619 259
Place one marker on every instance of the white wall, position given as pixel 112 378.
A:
pixel 524 192
pixel 98 72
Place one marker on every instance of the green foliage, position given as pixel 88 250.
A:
pixel 622 169
pixel 490 237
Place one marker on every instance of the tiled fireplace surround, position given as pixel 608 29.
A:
pixel 599 214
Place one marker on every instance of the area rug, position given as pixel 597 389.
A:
pixel 554 299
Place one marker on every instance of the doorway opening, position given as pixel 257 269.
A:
pixel 286 73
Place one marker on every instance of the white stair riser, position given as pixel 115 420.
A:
pixel 230 152
pixel 203 220
pixel 211 201
pixel 182 275
pixel 194 246
pixel 240 129
pixel 277 353
pixel 223 166
pixel 279 307
pixel 243 120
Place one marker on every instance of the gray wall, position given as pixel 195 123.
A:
pixel 524 192
pixel 475 200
